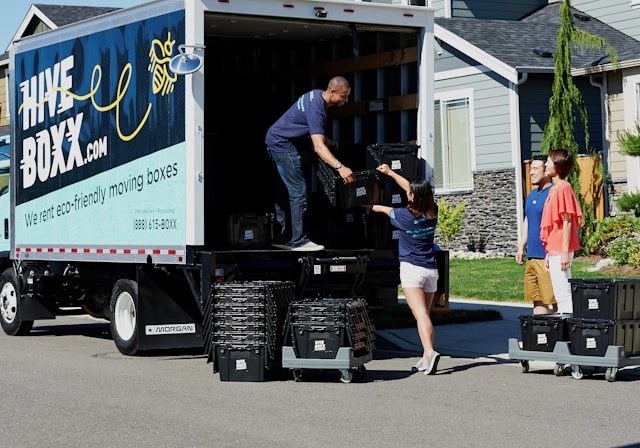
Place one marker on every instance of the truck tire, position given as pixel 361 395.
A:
pixel 9 303
pixel 124 316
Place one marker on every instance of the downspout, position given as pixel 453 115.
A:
pixel 517 151
pixel 605 136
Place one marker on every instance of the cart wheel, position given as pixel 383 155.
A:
pixel 346 376
pixel 361 371
pixel 297 375
pixel 576 372
pixel 558 369
pixel 525 366
pixel 610 374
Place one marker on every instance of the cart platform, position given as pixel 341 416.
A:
pixel 613 359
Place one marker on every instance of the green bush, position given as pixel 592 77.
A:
pixel 450 220
pixel 629 203
pixel 622 248
pixel 610 229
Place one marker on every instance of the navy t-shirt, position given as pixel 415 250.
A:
pixel 305 117
pixel 415 242
pixel 533 211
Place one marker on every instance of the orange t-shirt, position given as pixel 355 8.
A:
pixel 561 200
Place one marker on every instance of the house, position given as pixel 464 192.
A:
pixel 39 18
pixel 494 70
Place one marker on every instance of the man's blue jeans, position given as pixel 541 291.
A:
pixel 294 190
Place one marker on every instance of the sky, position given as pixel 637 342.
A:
pixel 14 12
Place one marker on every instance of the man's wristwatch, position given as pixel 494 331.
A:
pixel 338 165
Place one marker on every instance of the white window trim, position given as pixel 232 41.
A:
pixel 631 112
pixel 454 95
pixel 635 4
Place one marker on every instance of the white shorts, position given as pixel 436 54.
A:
pixel 412 276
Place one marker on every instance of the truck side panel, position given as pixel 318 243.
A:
pixel 99 138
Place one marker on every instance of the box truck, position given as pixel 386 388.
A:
pixel 138 176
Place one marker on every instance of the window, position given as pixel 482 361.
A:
pixel 452 145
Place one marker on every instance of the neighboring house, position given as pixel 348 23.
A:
pixel 493 84
pixel 39 18
pixel 621 89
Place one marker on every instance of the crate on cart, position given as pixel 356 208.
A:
pixel 326 334
pixel 540 332
pixel 610 299
pixel 592 337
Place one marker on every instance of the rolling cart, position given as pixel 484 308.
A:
pixel 613 360
pixel 345 362
pixel 328 334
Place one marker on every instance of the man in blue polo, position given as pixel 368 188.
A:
pixel 537 280
pixel 306 118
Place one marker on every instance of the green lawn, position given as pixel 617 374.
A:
pixel 499 279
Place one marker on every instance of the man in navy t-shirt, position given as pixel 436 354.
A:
pixel 306 118
pixel 537 280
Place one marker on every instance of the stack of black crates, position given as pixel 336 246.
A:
pixel 318 328
pixel 244 324
pixel 402 158
pixel 605 312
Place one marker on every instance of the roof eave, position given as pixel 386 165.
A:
pixel 489 61
pixel 632 63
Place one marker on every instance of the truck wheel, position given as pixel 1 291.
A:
pixel 124 316
pixel 9 302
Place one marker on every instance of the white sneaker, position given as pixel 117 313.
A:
pixel 432 361
pixel 309 246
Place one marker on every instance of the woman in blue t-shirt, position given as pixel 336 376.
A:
pixel 416 252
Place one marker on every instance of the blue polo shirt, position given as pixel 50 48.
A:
pixel 305 117
pixel 415 242
pixel 533 211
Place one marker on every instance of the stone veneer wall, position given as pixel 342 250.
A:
pixel 490 218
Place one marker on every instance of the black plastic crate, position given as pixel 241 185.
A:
pixel 364 191
pixel 612 299
pixel 249 231
pixel 319 344
pixel 242 364
pixel 591 337
pixel 540 332
pixel 391 194
pixel 380 233
pixel 401 158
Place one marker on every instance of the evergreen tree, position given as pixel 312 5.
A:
pixel 565 98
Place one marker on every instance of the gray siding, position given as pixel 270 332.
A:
pixel 492 118
pixel 438 5
pixel 534 113
pixel 496 9
pixel 615 13
pixel 451 59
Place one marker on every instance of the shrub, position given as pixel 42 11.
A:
pixel 625 249
pixel 450 220
pixel 629 202
pixel 609 229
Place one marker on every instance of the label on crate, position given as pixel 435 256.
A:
pixel 593 304
pixel 319 346
pixel 542 338
pixel 396 199
pixel 396 165
pixel 241 364
pixel 317 269
pixel 395 235
pixel 361 191
pixel 248 234
pixel 591 343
